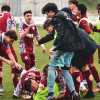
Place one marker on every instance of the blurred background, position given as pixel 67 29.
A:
pixel 19 6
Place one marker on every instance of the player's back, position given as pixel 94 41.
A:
pixel 4 17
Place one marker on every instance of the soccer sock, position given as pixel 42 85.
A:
pixel 94 73
pixel 99 53
pixel 77 76
pixel 0 80
pixel 15 80
pixel 18 89
pixel 87 75
pixel 0 76
pixel 67 93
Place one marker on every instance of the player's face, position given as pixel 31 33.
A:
pixel 8 40
pixel 50 14
pixel 28 17
pixel 78 14
pixel 72 6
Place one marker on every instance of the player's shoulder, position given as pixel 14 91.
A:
pixel 84 20
pixel 7 14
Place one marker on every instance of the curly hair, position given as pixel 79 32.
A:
pixel 49 7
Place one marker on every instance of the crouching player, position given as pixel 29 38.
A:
pixel 5 40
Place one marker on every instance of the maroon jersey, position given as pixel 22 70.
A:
pixel 4 47
pixel 84 24
pixel 26 43
pixel 6 22
pixel 33 74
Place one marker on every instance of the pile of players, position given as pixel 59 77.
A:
pixel 71 63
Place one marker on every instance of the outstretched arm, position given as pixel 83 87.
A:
pixel 47 38
pixel 11 57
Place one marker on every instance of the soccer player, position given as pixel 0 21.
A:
pixel 72 9
pixel 28 33
pixel 63 48
pixel 7 23
pixel 90 68
pixel 28 84
pixel 5 51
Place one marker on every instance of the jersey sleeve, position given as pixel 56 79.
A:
pixel 85 25
pixel 36 33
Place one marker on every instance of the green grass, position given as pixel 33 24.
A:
pixel 41 60
pixel 91 4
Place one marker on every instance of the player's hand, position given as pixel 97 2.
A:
pixel 51 51
pixel 18 66
pixel 35 84
pixel 41 86
pixel 44 50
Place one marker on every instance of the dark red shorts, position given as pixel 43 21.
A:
pixel 90 60
pixel 28 59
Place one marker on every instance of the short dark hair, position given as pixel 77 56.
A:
pixel 74 2
pixel 82 8
pixel 5 8
pixel 49 7
pixel 27 11
pixel 12 34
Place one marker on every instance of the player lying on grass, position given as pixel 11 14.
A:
pixel 28 83
pixel 32 80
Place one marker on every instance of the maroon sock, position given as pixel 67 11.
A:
pixel 94 73
pixel 86 74
pixel 0 76
pixel 67 93
pixel 0 80
pixel 15 80
pixel 99 53
pixel 77 83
